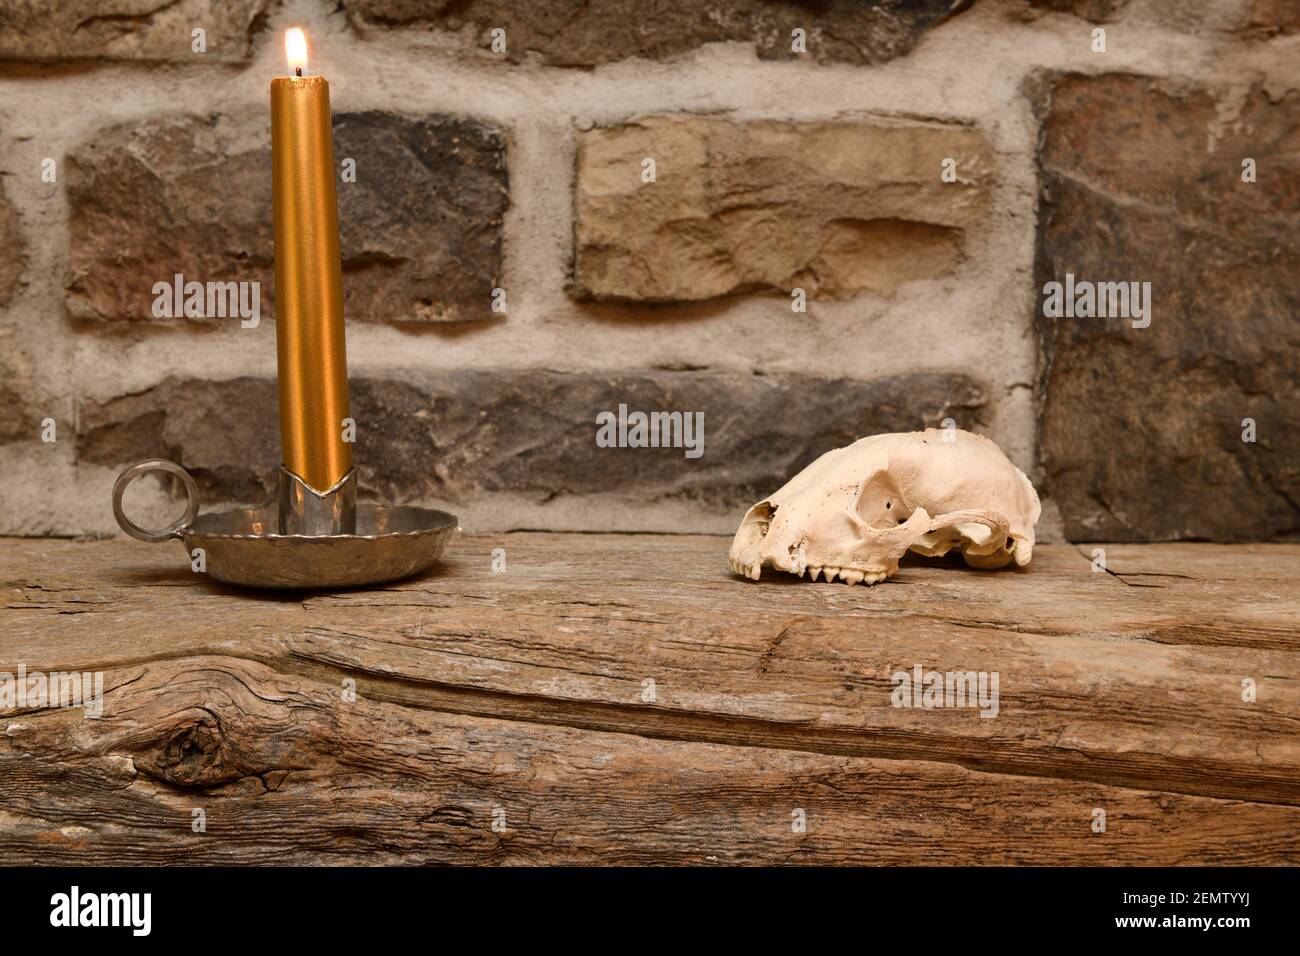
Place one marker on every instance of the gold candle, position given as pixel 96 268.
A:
pixel 308 277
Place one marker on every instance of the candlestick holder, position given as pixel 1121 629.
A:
pixel 315 535
pixel 245 546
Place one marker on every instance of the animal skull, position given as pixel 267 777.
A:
pixel 855 511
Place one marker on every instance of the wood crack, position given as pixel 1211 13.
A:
pixel 1160 772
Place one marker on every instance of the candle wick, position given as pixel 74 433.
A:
pixel 297 71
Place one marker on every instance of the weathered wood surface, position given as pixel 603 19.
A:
pixel 523 693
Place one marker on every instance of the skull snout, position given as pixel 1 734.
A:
pixel 767 537
pixel 745 556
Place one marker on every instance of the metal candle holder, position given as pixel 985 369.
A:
pixel 316 535
pixel 244 546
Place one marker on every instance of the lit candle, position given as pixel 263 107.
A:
pixel 308 284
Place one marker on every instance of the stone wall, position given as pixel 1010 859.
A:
pixel 619 208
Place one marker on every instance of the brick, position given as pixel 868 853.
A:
pixel 1272 17
pixel 1097 11
pixel 19 420
pixel 1141 429
pixel 603 31
pixel 835 208
pixel 17 416
pixel 420 227
pixel 129 29
pixel 12 256
pixel 454 436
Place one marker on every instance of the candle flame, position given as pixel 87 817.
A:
pixel 295 48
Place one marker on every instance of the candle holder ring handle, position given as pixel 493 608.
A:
pixel 174 529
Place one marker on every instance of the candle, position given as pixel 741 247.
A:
pixel 308 281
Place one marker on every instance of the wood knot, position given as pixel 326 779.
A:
pixel 194 753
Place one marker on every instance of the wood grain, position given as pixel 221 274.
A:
pixel 525 692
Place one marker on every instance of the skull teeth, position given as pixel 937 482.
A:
pixel 848 575
pixel 751 571
pixel 826 573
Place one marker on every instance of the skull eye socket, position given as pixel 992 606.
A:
pixel 876 498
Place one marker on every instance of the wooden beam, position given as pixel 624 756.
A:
pixel 529 690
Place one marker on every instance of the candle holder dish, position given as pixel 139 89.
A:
pixel 243 546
